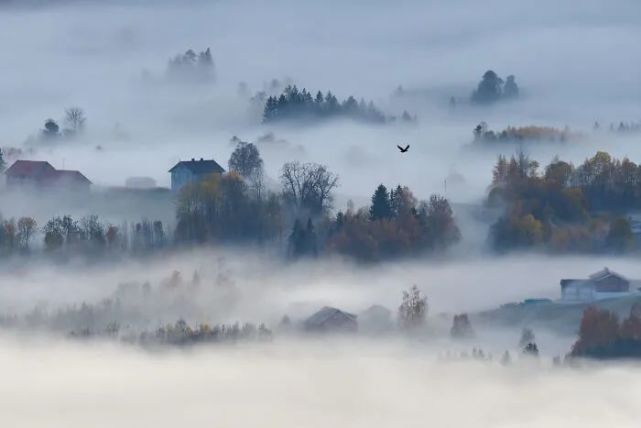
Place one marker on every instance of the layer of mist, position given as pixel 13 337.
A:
pixel 575 65
pixel 362 384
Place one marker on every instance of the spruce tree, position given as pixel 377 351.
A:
pixel 381 208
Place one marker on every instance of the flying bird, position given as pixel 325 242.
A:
pixel 403 150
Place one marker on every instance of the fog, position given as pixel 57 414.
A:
pixel 272 286
pixel 574 66
pixel 226 291
pixel 314 385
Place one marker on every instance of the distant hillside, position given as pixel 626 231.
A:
pixel 562 318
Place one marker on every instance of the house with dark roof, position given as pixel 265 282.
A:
pixel 192 171
pixel 603 284
pixel 40 175
pixel 330 319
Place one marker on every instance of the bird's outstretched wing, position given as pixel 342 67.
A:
pixel 399 147
pixel 407 148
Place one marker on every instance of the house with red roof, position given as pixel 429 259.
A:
pixel 41 175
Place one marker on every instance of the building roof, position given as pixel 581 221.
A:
pixel 200 167
pixel 326 314
pixel 66 177
pixel 604 273
pixel 593 279
pixel 28 168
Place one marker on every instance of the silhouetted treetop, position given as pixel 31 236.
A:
pixel 492 88
pixel 294 104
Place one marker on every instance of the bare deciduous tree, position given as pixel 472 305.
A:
pixel 75 119
pixel 308 186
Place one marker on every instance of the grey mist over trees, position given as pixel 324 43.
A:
pixel 192 67
pixel 492 88
pixel 178 296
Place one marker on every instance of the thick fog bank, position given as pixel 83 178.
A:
pixel 315 384
pixel 252 286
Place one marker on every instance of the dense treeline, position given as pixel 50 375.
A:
pixel 396 224
pixel 521 134
pixel 565 207
pixel 602 336
pixel 222 208
pixel 87 237
pixel 181 334
pixel 293 104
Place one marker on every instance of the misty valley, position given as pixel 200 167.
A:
pixel 362 214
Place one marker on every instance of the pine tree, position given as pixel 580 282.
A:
pixel 381 207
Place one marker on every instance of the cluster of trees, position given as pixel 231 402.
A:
pixel 521 134
pixel 395 224
pixel 181 334
pixel 74 124
pixel 15 236
pixel 461 327
pixel 87 236
pixel 492 88
pixel 192 67
pixel 565 208
pixel 293 104
pixel 222 208
pixel 602 336
pixel 3 163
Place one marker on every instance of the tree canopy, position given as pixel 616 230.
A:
pixel 293 104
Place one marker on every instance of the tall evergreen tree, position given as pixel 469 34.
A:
pixel 381 206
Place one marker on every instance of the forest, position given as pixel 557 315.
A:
pixel 565 208
pixel 295 105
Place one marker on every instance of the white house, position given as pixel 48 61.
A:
pixel 186 172
pixel 604 284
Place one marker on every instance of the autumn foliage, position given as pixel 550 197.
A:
pixel 564 208
pixel 395 225
pixel 602 336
